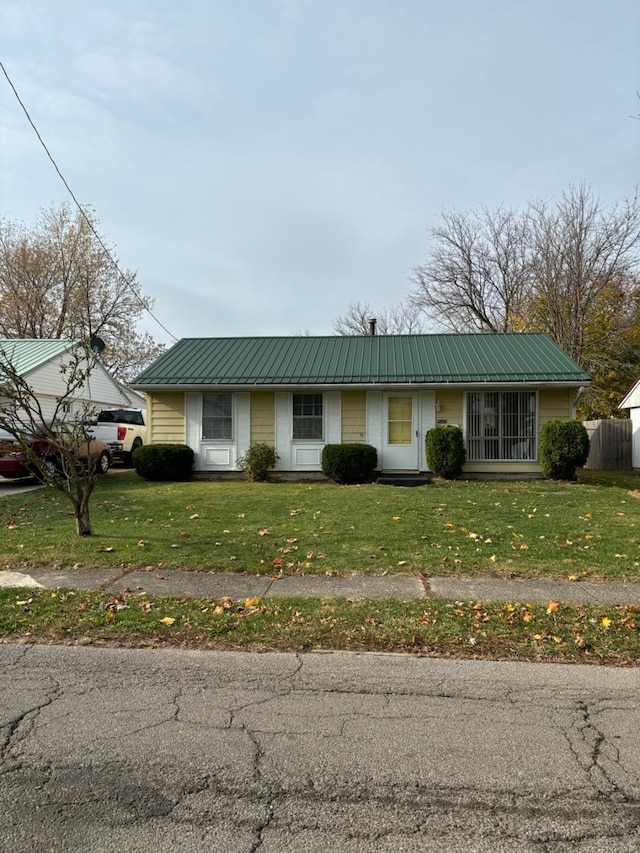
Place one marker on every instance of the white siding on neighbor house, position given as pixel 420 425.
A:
pixel 632 403
pixel 100 391
pixel 635 438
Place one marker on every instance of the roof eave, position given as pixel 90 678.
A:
pixel 339 386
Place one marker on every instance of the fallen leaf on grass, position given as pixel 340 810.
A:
pixel 251 602
pixel 142 543
pixel 552 607
pixel 168 620
pixel 104 550
pixel 264 532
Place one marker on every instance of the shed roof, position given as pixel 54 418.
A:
pixel 362 360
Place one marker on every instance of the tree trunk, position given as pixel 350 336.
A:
pixel 83 522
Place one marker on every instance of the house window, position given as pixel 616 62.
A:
pixel 400 420
pixel 217 422
pixel 501 425
pixel 307 416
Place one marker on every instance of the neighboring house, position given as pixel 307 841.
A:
pixel 220 395
pixel 40 363
pixel 632 403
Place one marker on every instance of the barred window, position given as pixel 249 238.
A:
pixel 217 422
pixel 307 416
pixel 501 425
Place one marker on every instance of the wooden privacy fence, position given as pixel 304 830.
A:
pixel 610 444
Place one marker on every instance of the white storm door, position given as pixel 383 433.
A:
pixel 400 447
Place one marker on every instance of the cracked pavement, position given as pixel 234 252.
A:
pixel 107 749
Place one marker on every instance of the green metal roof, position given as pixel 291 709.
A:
pixel 364 360
pixel 27 354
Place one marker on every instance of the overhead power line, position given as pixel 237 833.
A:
pixel 81 209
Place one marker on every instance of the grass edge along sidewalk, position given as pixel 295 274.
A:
pixel 551 632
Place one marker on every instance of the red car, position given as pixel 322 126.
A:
pixel 15 464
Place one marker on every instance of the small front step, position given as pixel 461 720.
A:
pixel 409 480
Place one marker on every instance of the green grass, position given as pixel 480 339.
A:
pixel 514 631
pixel 524 529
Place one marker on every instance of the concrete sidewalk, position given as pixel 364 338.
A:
pixel 402 587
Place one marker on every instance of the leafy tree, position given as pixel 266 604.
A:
pixel 22 416
pixel 57 281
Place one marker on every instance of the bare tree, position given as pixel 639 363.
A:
pixel 477 272
pixel 403 319
pixel 67 465
pixel 57 281
pixel 584 264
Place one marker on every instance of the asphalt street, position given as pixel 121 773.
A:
pixel 108 749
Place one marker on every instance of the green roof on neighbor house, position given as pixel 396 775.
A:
pixel 364 360
pixel 27 354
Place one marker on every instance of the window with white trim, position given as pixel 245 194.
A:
pixel 501 425
pixel 307 416
pixel 217 417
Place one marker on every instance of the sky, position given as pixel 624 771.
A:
pixel 262 164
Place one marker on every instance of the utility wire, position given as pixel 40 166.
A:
pixel 81 209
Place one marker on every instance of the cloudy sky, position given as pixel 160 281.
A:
pixel 263 163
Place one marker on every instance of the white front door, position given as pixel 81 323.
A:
pixel 400 447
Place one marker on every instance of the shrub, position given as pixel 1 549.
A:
pixel 564 446
pixel 349 463
pixel 444 446
pixel 259 459
pixel 163 461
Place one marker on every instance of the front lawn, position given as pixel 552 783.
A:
pixel 524 529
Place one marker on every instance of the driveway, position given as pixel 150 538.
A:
pixel 9 488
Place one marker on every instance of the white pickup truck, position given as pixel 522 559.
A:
pixel 123 430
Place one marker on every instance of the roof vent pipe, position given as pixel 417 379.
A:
pixel 372 326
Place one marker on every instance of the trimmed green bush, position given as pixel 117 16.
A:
pixel 444 446
pixel 259 459
pixel 164 461
pixel 564 447
pixel 349 463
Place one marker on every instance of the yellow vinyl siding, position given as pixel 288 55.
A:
pixel 555 404
pixel 263 417
pixel 450 402
pixel 354 416
pixel 165 416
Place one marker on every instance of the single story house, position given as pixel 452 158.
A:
pixel 40 362
pixel 220 395
pixel 632 402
